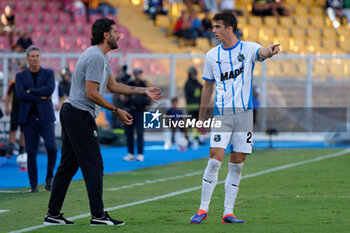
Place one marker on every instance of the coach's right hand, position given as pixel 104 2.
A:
pixel 124 116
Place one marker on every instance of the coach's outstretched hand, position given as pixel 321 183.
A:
pixel 154 93
pixel 124 116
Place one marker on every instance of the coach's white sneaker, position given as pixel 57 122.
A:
pixel 129 157
pixel 140 157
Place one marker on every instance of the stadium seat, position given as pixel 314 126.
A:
pixel 337 70
pixel 33 18
pixel 317 21
pixel 317 11
pixel 289 69
pixel 274 68
pixel 283 32
pixel 286 21
pixel 313 46
pixel 21 6
pixel 68 43
pixel 298 32
pixel 64 18
pixel 345 45
pixel 302 21
pixel 301 10
pixel 52 7
pixel 320 3
pixel 266 33
pixel 329 44
pixel 308 3
pixel 297 45
pixel 4 42
pixel 56 29
pixel 250 33
pixel 313 33
pixel 242 21
pixel 344 33
pixel 37 7
pixel 329 33
pixel 72 29
pixel 50 18
pixel 39 30
pixel 271 21
pixel 255 21
pixel 319 70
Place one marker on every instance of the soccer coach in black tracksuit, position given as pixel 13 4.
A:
pixel 34 87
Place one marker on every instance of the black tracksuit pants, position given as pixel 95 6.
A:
pixel 80 148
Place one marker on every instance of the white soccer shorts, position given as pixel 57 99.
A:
pixel 235 129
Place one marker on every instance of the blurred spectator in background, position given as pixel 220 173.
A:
pixel 61 91
pixel 177 30
pixel 8 25
pixel 23 42
pixel 65 83
pixel 212 6
pixel 346 10
pixel 107 7
pixel 78 8
pixel 193 90
pixel 175 114
pixel 11 97
pixel 154 8
pixel 256 103
pixel 207 27
pixel 269 8
pixel 334 9
pixel 227 5
pixel 135 106
pixel 190 3
pixel 195 27
pixel 120 100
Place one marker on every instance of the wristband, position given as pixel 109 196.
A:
pixel 115 110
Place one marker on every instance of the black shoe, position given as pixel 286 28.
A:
pixel 33 190
pixel 48 185
pixel 56 220
pixel 105 220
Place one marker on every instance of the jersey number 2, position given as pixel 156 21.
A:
pixel 249 137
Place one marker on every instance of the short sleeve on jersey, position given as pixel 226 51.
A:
pixel 94 68
pixel 254 48
pixel 208 69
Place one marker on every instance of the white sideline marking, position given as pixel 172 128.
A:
pixel 3 211
pixel 155 181
pixel 337 154
pixel 11 191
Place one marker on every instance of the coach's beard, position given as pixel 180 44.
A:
pixel 113 44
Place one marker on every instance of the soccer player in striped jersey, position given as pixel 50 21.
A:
pixel 229 68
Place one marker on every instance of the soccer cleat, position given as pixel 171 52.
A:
pixel 199 216
pixel 33 190
pixel 56 220
pixel 129 157
pixel 48 184
pixel 230 218
pixel 140 157
pixel 105 220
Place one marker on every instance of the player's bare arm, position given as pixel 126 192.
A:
pixel 207 93
pixel 269 51
pixel 154 93
pixel 93 95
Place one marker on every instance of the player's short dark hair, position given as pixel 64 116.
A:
pixel 174 100
pixel 228 18
pixel 99 28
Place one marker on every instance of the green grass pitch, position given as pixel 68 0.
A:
pixel 312 197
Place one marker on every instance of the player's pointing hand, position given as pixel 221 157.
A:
pixel 274 49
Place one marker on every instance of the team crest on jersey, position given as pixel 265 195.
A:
pixel 217 138
pixel 241 58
